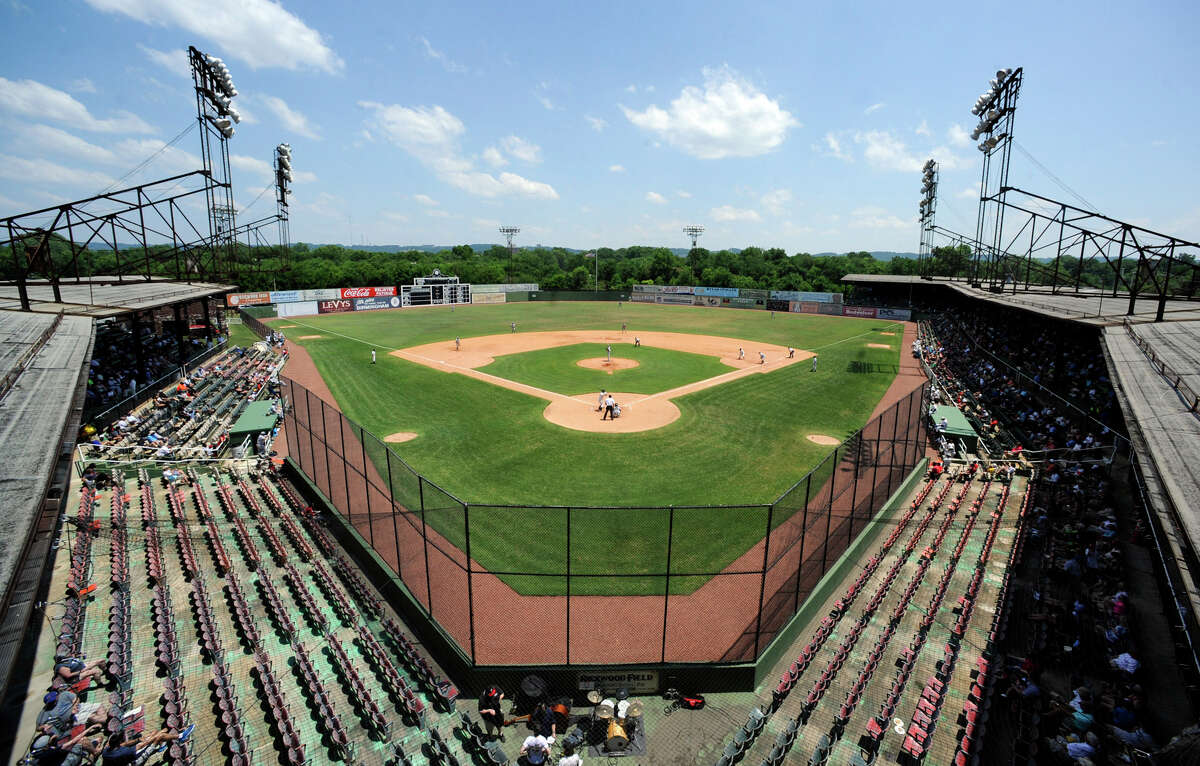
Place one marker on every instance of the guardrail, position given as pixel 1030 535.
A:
pixel 10 378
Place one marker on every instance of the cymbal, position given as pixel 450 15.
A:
pixel 605 711
pixel 594 696
pixel 635 709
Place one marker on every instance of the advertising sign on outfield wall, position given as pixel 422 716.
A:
pixel 323 294
pixel 522 287
pixel 335 306
pixel 758 295
pixel 902 314
pixel 643 297
pixel 678 289
pixel 707 300
pixel 832 309
pixel 477 297
pixel 246 299
pixel 774 305
pixel 285 296
pixel 867 312
pixel 367 292
pixel 371 304
pixel 719 292
pixel 647 288
pixel 743 303
pixel 633 681
pixel 678 300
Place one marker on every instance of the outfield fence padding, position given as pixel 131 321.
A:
pixel 647 592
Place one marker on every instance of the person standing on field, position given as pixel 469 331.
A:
pixel 762 358
pixel 609 404
pixel 458 344
pixel 637 342
pixel 814 367
pixel 372 356
pixel 791 353
pixel 608 350
pixel 741 354
pixel 622 327
pixel 600 401
pixel 513 325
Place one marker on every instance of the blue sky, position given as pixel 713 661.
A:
pixel 796 125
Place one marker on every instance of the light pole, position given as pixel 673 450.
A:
pixel 508 232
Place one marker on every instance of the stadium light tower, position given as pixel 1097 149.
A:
pixel 215 112
pixel 508 232
pixel 926 210
pixel 693 231
pixel 283 180
pixel 996 109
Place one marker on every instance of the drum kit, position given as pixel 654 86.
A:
pixel 622 716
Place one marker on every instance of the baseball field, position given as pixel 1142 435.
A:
pixel 509 418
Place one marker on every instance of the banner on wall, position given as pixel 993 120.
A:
pixel 678 289
pixel 866 312
pixel 643 297
pixel 776 305
pixel 719 292
pixel 647 288
pixel 297 308
pixel 677 300
pixel 758 295
pixel 234 300
pixel 285 296
pixel 523 287
pixel 901 314
pixel 323 294
pixel 831 309
pixel 367 292
pixel 335 306
pixel 743 303
pixel 372 304
pixel 498 297
pixel 707 300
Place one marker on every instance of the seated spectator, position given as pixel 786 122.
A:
pixel 535 750
pixel 134 752
pixel 48 750
pixel 71 670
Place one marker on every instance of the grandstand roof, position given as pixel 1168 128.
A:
pixel 1165 433
pixel 1087 306
pixel 32 416
pixel 103 297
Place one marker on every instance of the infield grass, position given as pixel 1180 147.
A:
pixel 739 443
pixel 557 369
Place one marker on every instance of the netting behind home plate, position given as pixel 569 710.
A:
pixel 609 585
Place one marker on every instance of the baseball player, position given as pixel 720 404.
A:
pixel 741 354
pixel 762 358
pixel 791 353
pixel 458 343
pixel 600 401
pixel 637 342
pixel 372 356
pixel 814 367
pixel 513 326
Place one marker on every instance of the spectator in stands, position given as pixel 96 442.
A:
pixel 72 670
pixel 534 751
pixel 490 711
pixel 51 750
pixel 570 757
pixel 128 752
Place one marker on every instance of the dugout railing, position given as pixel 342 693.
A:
pixel 628 585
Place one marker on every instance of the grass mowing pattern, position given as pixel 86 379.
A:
pixel 555 369
pixel 740 442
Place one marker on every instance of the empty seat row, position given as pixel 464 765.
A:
pixel 218 548
pixel 275 606
pixel 327 583
pixel 371 604
pixel 272 539
pixel 249 549
pixel 291 741
pixel 210 636
pixel 304 597
pixel 320 698
pixel 393 680
pixel 372 715
pixel 241 611
pixel 444 692
pixel 166 643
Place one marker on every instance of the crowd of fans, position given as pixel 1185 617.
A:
pixel 114 373
pixel 1074 692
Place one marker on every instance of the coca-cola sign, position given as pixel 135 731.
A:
pixel 367 292
pixel 333 307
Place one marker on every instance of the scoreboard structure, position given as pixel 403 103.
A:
pixel 434 290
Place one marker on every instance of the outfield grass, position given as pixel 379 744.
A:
pixel 742 442
pixel 555 369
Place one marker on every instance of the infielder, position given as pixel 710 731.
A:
pixel 458 344
pixel 762 358
pixel 814 367
pixel 372 356
pixel 741 354
pixel 791 353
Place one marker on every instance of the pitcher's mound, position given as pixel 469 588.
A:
pixel 309 337
pixel 822 439
pixel 878 345
pixel 400 436
pixel 603 364
pixel 637 414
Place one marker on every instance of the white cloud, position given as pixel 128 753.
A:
pixel 83 85
pixel 262 33
pixel 251 165
pixel 39 171
pixel 731 213
pixel 393 215
pixel 776 202
pixel 874 108
pixel 522 149
pixel 33 99
pixel 425 199
pixel 656 198
pixel 970 192
pixel 728 117
pixel 616 168
pixel 486 223
pixel 884 151
pixel 545 102
pixel 959 135
pixel 923 129
pixel 289 118
pixel 437 213
pixel 59 143
pixel 876 218
pixel 447 63
pixel 493 157
pixel 174 61
pixel 683 194
pixel 430 134
pixel 598 124
pixel 834 145
pixel 631 89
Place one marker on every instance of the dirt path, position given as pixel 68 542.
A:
pixel 639 412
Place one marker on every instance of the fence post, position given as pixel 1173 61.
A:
pixel 312 447
pixel 346 475
pixel 667 579
pixel 470 589
pixel 829 513
pixel 425 545
pixel 762 588
pixel 803 538
pixel 891 474
pixel 366 485
pixel 387 458
pixel 568 568
pixel 854 489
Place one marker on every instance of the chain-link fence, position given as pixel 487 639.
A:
pixel 567 585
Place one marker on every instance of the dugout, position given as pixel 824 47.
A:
pixel 256 418
pixel 958 428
